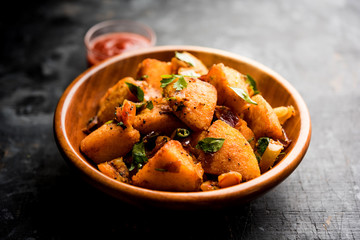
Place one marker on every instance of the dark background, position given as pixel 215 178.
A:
pixel 315 45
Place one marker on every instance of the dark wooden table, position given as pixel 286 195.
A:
pixel 313 44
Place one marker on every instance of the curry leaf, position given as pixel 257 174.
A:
pixel 252 84
pixel 241 93
pixel 136 90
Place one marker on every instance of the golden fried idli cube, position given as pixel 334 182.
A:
pixel 150 70
pixel 262 119
pixel 113 98
pixel 109 142
pixel 115 169
pixel 194 104
pixel 170 169
pixel 160 119
pixel 235 154
pixel 223 78
pixel 246 132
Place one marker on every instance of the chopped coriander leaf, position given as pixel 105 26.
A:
pixel 262 144
pixel 241 93
pixel 180 84
pixel 136 90
pixel 149 105
pixel 210 145
pixel 185 58
pixel 182 132
pixel 252 83
pixel 139 156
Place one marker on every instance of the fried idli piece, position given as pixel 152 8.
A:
pixel 246 132
pixel 223 78
pixel 109 142
pixel 113 98
pixel 170 169
pixel 235 154
pixel 186 62
pixel 115 169
pixel 194 104
pixel 151 70
pixel 159 119
pixel 262 119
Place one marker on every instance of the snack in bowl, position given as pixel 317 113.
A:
pixel 179 126
pixel 80 102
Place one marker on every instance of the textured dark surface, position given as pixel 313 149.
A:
pixel 313 44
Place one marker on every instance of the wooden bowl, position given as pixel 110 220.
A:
pixel 80 100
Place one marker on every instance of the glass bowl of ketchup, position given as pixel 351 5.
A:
pixel 113 37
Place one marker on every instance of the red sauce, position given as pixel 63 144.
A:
pixel 112 44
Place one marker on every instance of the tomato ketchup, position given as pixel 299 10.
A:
pixel 111 44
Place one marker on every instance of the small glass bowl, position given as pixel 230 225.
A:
pixel 116 28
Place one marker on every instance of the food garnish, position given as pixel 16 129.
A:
pixel 136 90
pixel 210 145
pixel 183 127
pixel 241 93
